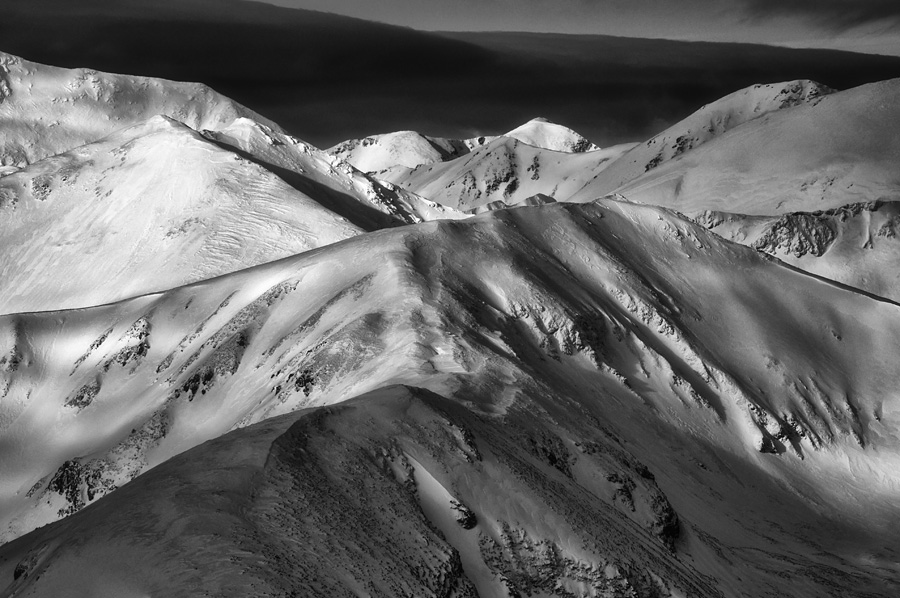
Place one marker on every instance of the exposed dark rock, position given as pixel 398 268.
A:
pixel 137 344
pixel 464 516
pixel 511 187
pixel 527 566
pixel 581 146
pixel 11 361
pixel 94 345
pixel 40 187
pixel 665 525
pixel 551 450
pixel 303 380
pixel 624 487
pixel 30 562
pixel 682 144
pixel 67 482
pixel 83 397
pixel 534 169
pixel 654 162
pixel 799 234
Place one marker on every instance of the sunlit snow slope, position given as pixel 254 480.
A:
pixel 150 208
pixel 542 133
pixel 817 152
pixel 398 152
pixel 160 203
pixel 402 149
pixel 505 171
pixel 796 170
pixel 856 244
pixel 45 110
pixel 704 125
pixel 536 158
pixel 629 400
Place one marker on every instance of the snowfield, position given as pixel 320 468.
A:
pixel 234 364
pixel 146 209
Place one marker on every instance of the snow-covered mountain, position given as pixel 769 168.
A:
pixel 504 170
pixel 363 199
pixel 233 363
pixel 630 352
pixel 854 244
pixel 146 209
pixel 210 200
pixel 818 152
pixel 538 158
pixel 45 110
pixel 402 151
pixel 705 124
pixel 542 133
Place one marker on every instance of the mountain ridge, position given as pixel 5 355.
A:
pixel 66 108
pixel 836 151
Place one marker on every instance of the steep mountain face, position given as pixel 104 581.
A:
pixel 855 244
pixel 46 110
pixel 819 154
pixel 669 403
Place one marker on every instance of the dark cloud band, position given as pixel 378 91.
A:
pixel 327 78
pixel 836 15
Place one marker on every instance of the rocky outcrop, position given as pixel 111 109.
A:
pixel 82 397
pixel 464 515
pixel 799 234
pixel 529 566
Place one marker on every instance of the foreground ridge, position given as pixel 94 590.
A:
pixel 598 337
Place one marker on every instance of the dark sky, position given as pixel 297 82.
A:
pixel 327 78
pixel 858 25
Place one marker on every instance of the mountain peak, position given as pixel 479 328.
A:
pixel 542 133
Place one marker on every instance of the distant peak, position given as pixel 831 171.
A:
pixel 542 133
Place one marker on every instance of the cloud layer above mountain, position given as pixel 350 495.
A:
pixel 327 78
